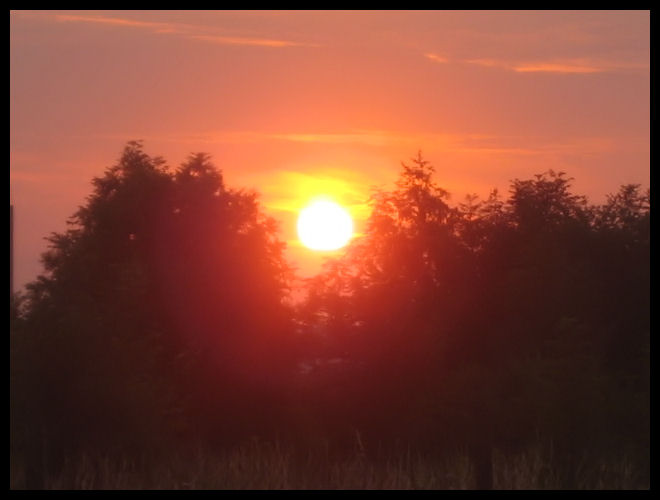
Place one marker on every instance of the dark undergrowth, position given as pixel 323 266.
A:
pixel 264 466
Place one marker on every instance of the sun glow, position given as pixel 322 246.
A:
pixel 324 225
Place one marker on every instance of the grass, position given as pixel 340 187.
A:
pixel 262 466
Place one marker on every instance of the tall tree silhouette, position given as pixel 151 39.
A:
pixel 396 292
pixel 487 324
pixel 164 297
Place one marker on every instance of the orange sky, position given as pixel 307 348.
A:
pixel 296 104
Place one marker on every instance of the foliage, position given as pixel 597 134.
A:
pixel 160 305
pixel 493 321
pixel 159 322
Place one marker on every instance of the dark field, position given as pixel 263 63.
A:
pixel 261 466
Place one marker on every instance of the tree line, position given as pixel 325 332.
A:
pixel 161 320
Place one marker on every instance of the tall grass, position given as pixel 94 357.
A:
pixel 265 466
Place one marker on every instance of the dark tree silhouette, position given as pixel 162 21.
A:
pixel 494 322
pixel 482 327
pixel 161 304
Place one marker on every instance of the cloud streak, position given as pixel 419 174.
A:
pixel 188 31
pixel 113 21
pixel 436 58
pixel 565 66
pixel 257 42
pixel 463 143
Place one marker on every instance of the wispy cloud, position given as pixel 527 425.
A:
pixel 558 67
pixel 462 143
pixel 489 63
pixel 362 137
pixel 189 31
pixel 259 42
pixel 114 21
pixel 370 138
pixel 566 66
pixel 436 58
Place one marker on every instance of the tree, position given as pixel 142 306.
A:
pixel 395 294
pixel 488 324
pixel 164 297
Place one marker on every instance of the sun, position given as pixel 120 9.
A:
pixel 324 225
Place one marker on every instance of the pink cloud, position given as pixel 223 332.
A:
pixel 189 31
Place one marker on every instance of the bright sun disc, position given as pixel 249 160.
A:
pixel 324 225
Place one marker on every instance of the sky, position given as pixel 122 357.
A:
pixel 306 103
